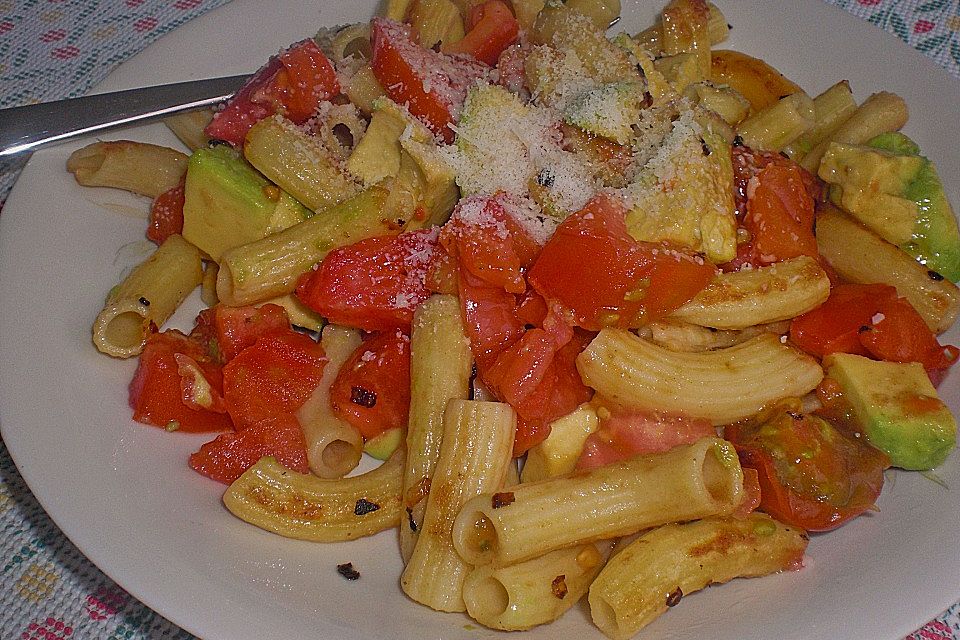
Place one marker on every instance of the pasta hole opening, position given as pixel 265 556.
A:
pixel 358 47
pixel 604 616
pixel 339 457
pixel 717 479
pixel 480 536
pixel 488 598
pixel 125 330
pixel 343 135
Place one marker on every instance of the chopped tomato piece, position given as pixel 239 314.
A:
pixel 433 85
pixel 511 72
pixel 775 200
pixel 156 393
pixel 226 457
pixel 489 241
pixel 237 328
pixel 870 320
pixel 624 433
pixel 593 267
pixel 276 375
pixel 490 318
pixel 494 29
pixel 372 389
pixel 811 474
pixel 166 214
pixel 292 84
pixel 374 284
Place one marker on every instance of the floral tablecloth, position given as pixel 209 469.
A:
pixel 58 48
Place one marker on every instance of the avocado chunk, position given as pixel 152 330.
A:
pixel 558 454
pixel 897 408
pixel 608 111
pixel 228 203
pixel 696 212
pixel 384 444
pixel 897 193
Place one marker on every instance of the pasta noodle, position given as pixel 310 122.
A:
pixel 722 386
pixel 334 446
pixel 302 506
pixel 688 482
pixel 767 294
pixel 145 169
pixel 148 296
pixel 270 267
pixel 655 571
pixel 440 368
pixel 475 453
pixel 534 592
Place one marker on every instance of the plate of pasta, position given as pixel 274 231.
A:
pixel 709 306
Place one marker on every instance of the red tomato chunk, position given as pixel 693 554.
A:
pixel 432 85
pixel 372 389
pixel 230 454
pixel 157 392
pixel 374 284
pixel 274 376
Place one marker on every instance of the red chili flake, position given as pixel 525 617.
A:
pixel 502 499
pixel 673 598
pixel 559 586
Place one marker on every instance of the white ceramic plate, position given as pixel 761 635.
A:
pixel 124 494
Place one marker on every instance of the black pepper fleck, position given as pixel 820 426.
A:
pixel 347 571
pixel 738 141
pixel 363 397
pixel 934 275
pixel 411 521
pixel 146 302
pixel 364 506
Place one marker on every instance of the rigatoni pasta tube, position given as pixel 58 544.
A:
pixel 538 591
pixel 334 446
pixel 758 296
pixel 880 113
pixel 860 255
pixel 143 168
pixel 475 454
pixel 270 267
pixel 721 386
pixel 440 368
pixel 149 295
pixel 302 506
pixel 656 570
pixel 687 482
pixel 296 162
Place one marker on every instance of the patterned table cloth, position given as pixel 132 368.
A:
pixel 52 49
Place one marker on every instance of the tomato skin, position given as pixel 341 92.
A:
pixel 292 84
pixel 593 267
pixel 775 199
pixel 624 433
pixel 155 392
pixel 490 318
pixel 275 375
pixel 166 214
pixel 226 457
pixel 494 29
pixel 374 284
pixel 811 474
pixel 404 68
pixel 372 389
pixel 871 320
pixel 488 241
pixel 237 328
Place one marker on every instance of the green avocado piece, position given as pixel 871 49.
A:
pixel 228 203
pixel 384 444
pixel 936 239
pixel 898 409
pixel 870 183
